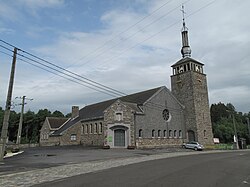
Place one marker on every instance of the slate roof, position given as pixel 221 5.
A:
pixel 56 122
pixel 186 59
pixel 95 111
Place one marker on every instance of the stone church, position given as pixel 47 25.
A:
pixel 153 118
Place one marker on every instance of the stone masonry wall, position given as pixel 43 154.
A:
pixel 92 133
pixel 158 142
pixel 127 118
pixel 190 88
pixel 65 139
pixel 152 119
pixel 45 138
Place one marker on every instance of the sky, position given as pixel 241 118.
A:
pixel 128 45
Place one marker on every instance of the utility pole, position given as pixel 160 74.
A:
pixel 4 131
pixel 248 127
pixel 19 133
pixel 235 132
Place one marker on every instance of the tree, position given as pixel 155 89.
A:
pixel 57 114
pixel 222 122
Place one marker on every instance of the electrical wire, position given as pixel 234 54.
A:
pixel 72 74
pixel 150 37
pixel 135 33
pixel 65 77
pixel 56 70
pixel 122 32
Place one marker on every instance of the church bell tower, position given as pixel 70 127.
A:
pixel 189 86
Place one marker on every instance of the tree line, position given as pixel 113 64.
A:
pixel 223 126
pixel 221 117
pixel 32 123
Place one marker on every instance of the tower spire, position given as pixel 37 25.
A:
pixel 185 50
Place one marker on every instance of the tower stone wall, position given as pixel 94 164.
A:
pixel 190 88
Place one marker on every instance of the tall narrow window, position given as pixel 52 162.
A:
pixel 87 128
pixel 140 133
pixel 153 133
pixel 96 128
pixel 175 133
pixel 164 134
pixel 100 127
pixel 180 134
pixel 170 133
pixel 205 132
pixel 91 129
pixel 159 133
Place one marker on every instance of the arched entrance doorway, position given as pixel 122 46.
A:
pixel 119 137
pixel 191 135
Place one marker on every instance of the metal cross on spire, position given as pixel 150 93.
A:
pixel 183 18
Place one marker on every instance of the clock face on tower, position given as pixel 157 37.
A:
pixel 166 114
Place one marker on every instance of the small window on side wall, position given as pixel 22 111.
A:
pixel 164 133
pixel 180 134
pixel 140 133
pixel 170 133
pixel 73 137
pixel 159 133
pixel 153 133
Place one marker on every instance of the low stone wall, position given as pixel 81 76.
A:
pixel 22 146
pixel 158 142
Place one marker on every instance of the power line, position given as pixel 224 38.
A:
pixel 76 78
pixel 166 28
pixel 65 77
pixel 72 74
pixel 94 82
pixel 105 61
pixel 59 74
pixel 127 29
pixel 132 35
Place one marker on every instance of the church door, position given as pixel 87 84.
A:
pixel 191 136
pixel 119 139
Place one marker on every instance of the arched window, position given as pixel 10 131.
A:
pixel 153 133
pixel 175 133
pixel 96 128
pixel 180 134
pixel 91 129
pixel 100 128
pixel 140 133
pixel 170 133
pixel 87 128
pixel 159 133
pixel 164 133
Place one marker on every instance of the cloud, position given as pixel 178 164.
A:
pixel 141 57
pixel 41 3
pixel 6 31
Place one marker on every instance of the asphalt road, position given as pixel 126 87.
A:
pixel 218 169
pixel 46 157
